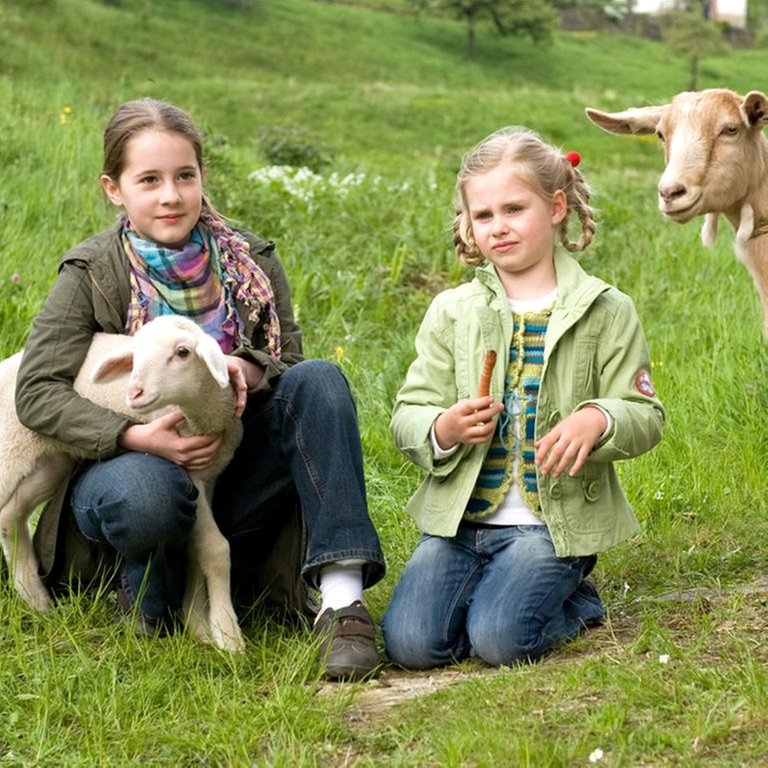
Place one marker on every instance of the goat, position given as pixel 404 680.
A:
pixel 170 363
pixel 716 161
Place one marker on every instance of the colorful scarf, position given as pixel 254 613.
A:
pixel 510 443
pixel 200 281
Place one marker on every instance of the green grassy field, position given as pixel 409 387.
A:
pixel 392 103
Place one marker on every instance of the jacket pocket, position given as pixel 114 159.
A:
pixel 585 374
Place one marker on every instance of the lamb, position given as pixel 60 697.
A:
pixel 716 158
pixel 169 363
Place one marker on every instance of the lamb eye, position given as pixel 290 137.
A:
pixel 660 135
pixel 183 352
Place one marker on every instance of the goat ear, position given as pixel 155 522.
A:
pixel 755 106
pixel 637 120
pixel 116 363
pixel 209 351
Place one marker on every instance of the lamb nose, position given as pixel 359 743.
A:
pixel 670 192
pixel 134 391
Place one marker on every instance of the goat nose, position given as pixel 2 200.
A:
pixel 670 192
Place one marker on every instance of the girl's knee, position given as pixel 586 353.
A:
pixel 509 645
pixel 320 381
pixel 136 503
pixel 419 639
pixel 410 647
pixel 158 491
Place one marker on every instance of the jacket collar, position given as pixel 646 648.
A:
pixel 576 290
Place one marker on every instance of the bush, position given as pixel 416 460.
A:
pixel 294 146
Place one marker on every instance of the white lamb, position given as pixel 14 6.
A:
pixel 169 363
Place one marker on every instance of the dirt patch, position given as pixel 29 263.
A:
pixel 697 594
pixel 395 686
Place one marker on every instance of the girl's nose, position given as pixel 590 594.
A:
pixel 169 193
pixel 499 225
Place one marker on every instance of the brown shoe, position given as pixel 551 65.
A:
pixel 348 647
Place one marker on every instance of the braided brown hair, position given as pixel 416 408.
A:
pixel 542 167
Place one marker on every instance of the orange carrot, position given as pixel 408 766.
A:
pixel 484 388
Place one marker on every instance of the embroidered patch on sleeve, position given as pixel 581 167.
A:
pixel 643 383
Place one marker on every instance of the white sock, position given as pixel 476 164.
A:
pixel 340 585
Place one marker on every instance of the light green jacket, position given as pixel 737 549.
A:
pixel 595 352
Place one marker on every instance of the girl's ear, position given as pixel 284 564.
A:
pixel 111 189
pixel 559 206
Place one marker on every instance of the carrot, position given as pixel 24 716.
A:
pixel 484 387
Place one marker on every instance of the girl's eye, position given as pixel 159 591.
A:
pixel 188 176
pixel 148 180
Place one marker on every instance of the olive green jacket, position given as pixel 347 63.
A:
pixel 91 294
pixel 595 352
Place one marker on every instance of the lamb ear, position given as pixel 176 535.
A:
pixel 755 107
pixel 209 351
pixel 638 120
pixel 117 363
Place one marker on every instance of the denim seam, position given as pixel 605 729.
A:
pixel 454 604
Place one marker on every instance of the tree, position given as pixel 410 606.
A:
pixel 688 33
pixel 535 18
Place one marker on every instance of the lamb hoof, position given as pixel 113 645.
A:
pixel 228 641
pixel 36 597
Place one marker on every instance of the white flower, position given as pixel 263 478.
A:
pixel 659 495
pixel 627 589
pixel 596 755
pixel 664 658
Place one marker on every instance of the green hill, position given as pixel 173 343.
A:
pixel 377 87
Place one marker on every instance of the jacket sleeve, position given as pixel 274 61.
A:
pixel 625 389
pixel 46 401
pixel 290 332
pixel 428 390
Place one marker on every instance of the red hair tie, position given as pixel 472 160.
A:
pixel 574 158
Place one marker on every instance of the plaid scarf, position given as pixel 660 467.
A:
pixel 200 281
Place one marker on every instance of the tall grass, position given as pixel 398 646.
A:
pixel 366 244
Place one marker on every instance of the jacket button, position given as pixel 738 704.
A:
pixel 592 491
pixel 554 419
pixel 555 491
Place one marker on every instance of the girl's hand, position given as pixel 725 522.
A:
pixel 244 375
pixel 571 440
pixel 161 438
pixel 469 421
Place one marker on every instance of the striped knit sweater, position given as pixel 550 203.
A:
pixel 511 454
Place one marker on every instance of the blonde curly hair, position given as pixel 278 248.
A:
pixel 542 167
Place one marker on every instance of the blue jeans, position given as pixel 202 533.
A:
pixel 144 507
pixel 301 440
pixel 497 593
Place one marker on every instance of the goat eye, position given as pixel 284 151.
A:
pixel 730 130
pixel 660 135
pixel 183 352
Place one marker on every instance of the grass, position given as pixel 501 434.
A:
pixel 364 258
